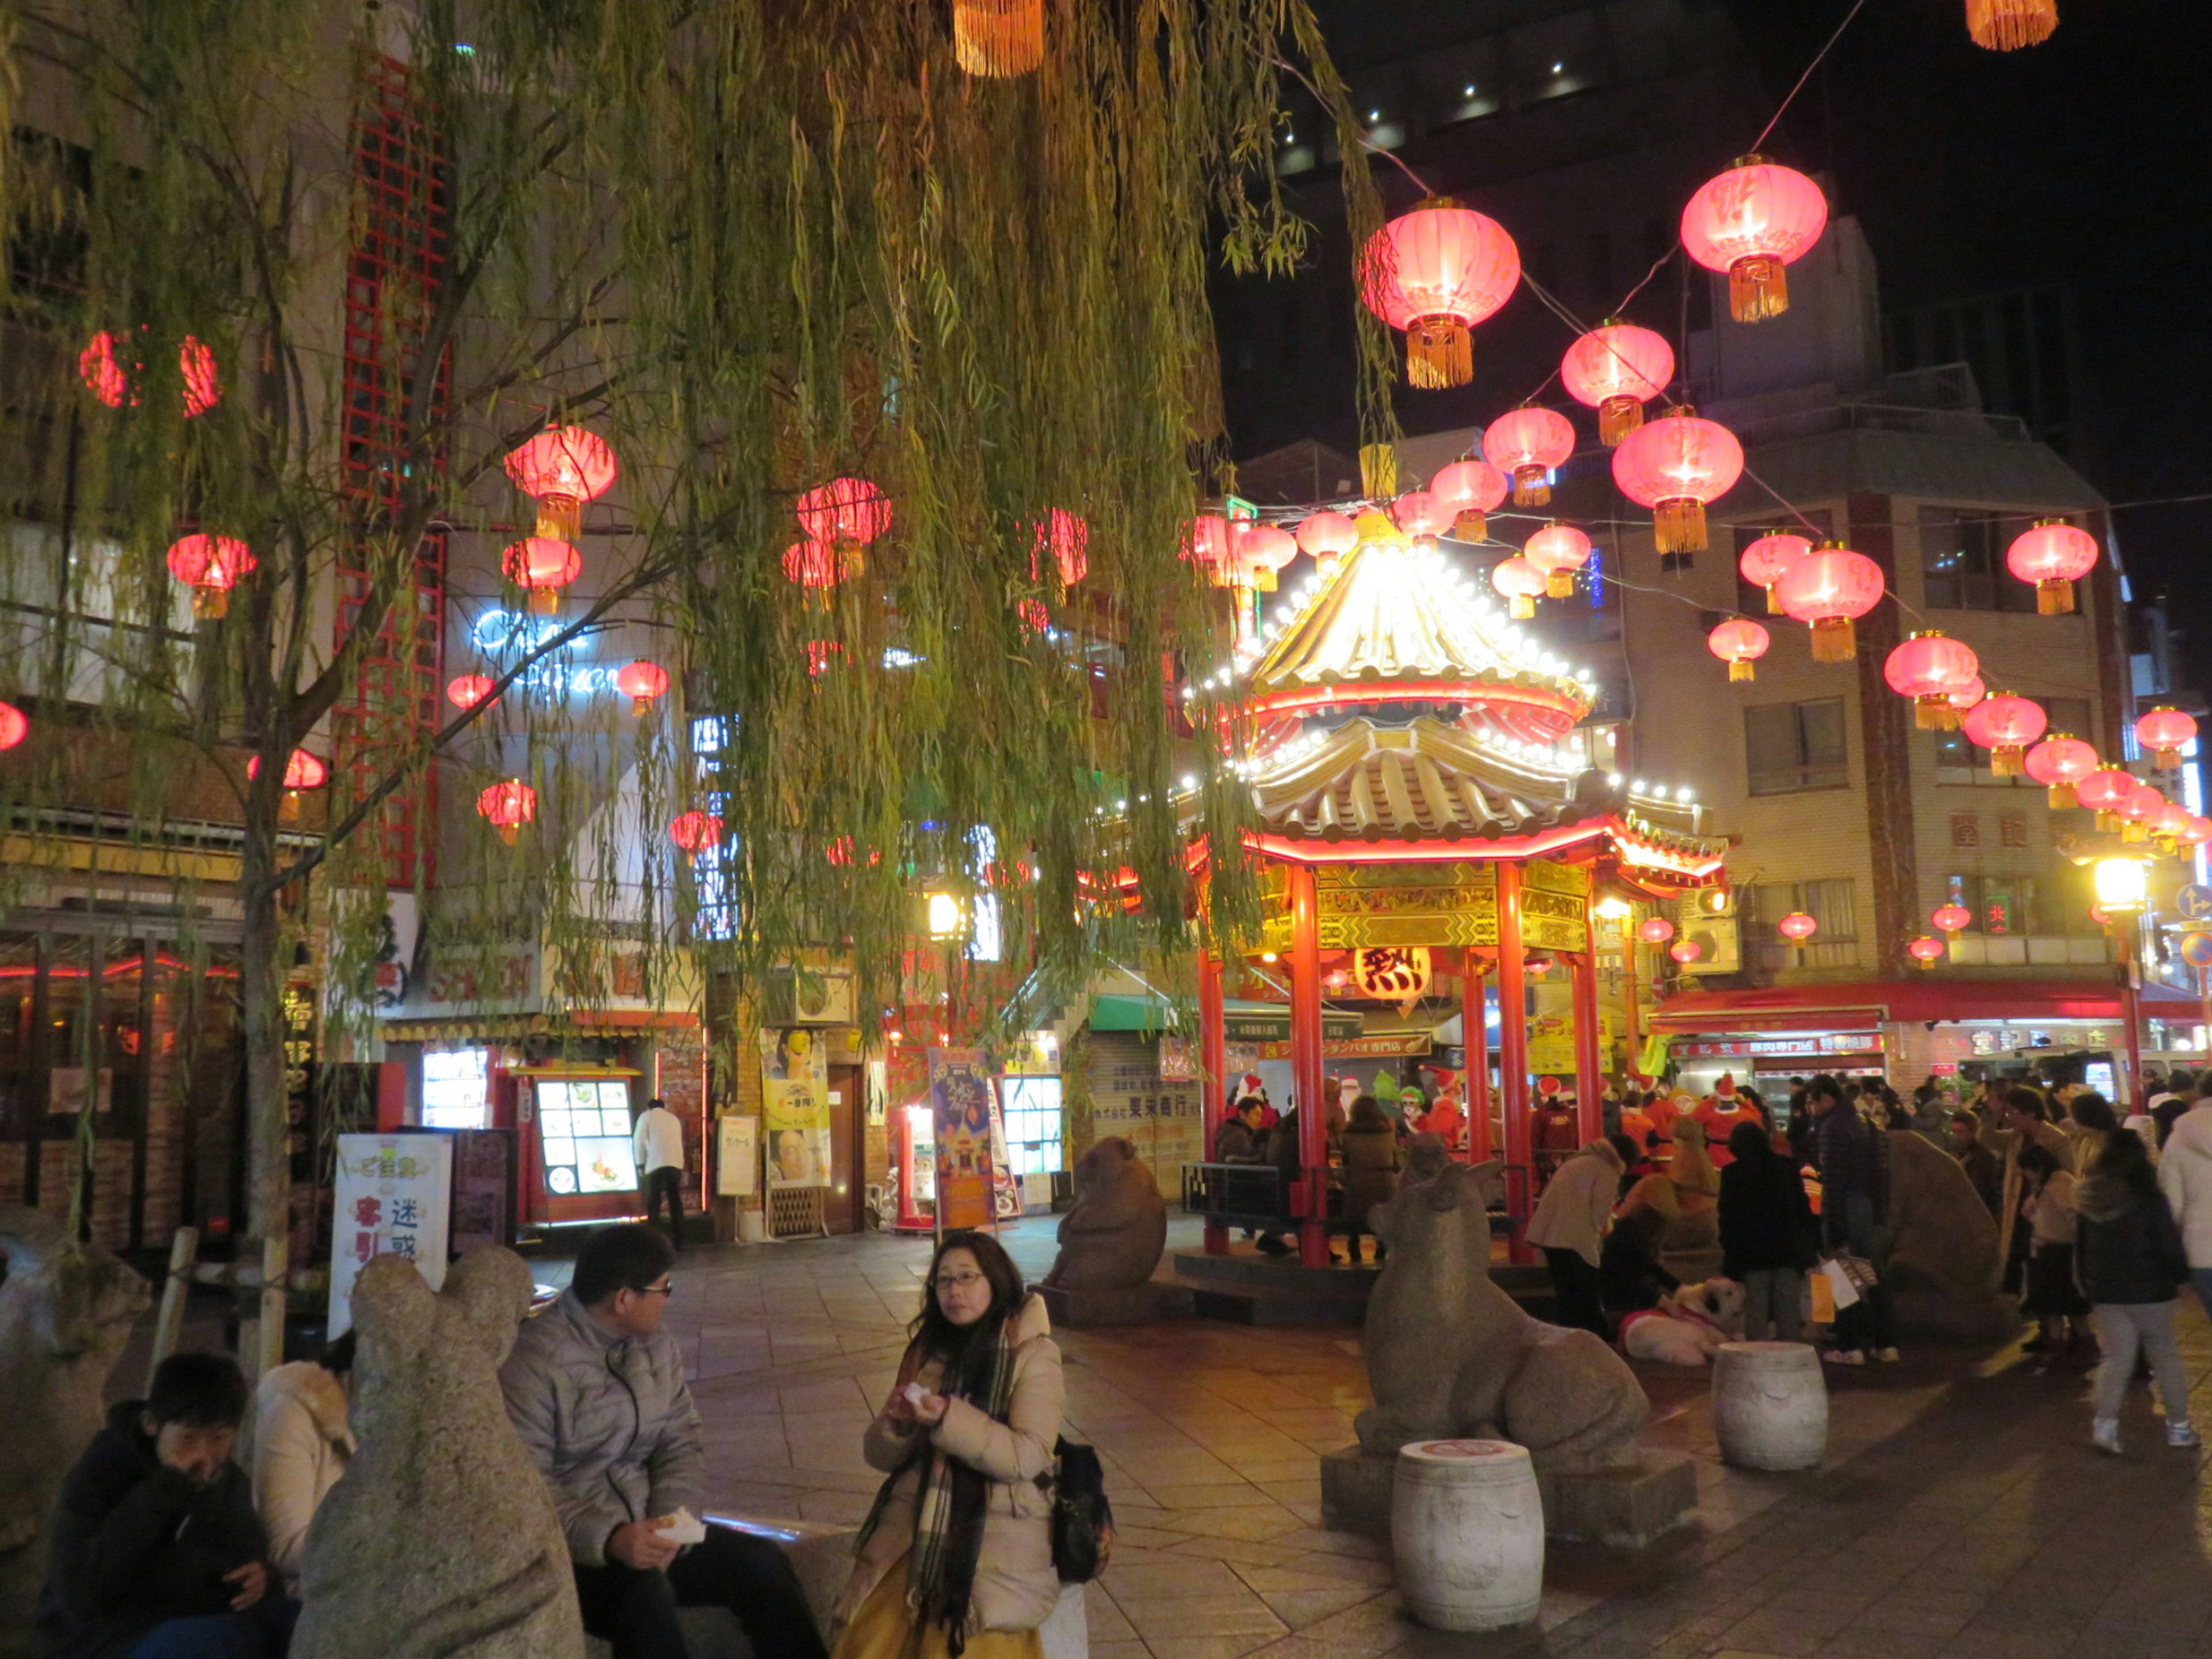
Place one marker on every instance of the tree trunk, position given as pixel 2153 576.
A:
pixel 268 1163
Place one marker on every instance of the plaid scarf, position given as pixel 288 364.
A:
pixel 952 1500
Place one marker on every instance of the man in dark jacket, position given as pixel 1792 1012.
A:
pixel 1239 1139
pixel 1766 1234
pixel 1979 1162
pixel 1853 1160
pixel 156 1552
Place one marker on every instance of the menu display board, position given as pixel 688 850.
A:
pixel 584 1133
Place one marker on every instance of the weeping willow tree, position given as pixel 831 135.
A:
pixel 757 246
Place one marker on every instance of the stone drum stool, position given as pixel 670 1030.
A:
pixel 1466 1532
pixel 1770 1405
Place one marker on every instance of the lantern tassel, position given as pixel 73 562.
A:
pixel 1773 605
pixel 211 604
pixel 544 601
pixel 2166 760
pixel 1559 584
pixel 1758 287
pixel 1521 607
pixel 1935 713
pixel 289 808
pixel 2008 25
pixel 1439 353
pixel 2054 596
pixel 1616 418
pixel 2107 822
pixel 2133 830
pixel 1833 640
pixel 998 38
pixel 2005 760
pixel 1740 668
pixel 559 518
pixel 1531 486
pixel 511 833
pixel 2060 796
pixel 1678 526
pixel 1472 526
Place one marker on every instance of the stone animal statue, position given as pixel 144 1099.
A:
pixel 65 1313
pixel 1450 1355
pixel 441 1541
pixel 1112 1238
pixel 1942 1237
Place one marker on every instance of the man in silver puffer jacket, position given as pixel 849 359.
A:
pixel 596 1389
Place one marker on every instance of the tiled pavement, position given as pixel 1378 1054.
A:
pixel 1959 1512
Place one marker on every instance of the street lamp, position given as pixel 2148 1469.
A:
pixel 2124 895
pixel 948 918
pixel 2123 886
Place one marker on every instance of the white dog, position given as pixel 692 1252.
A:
pixel 1689 1327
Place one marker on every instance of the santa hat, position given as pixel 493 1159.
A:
pixel 1249 1087
pixel 1726 1085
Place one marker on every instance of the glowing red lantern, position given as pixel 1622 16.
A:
pixel 1655 931
pixel 2163 732
pixel 562 468
pixel 1797 926
pixel 211 565
pixel 1471 487
pixel 2008 25
pixel 102 375
pixel 1435 272
pixel 202 391
pixel 107 381
pixel 2105 792
pixel 1765 560
pixel 542 567
pixel 1952 918
pixel 2054 555
pixel 1925 951
pixel 1528 444
pixel 2005 725
pixel 2172 819
pixel 1616 368
pixel 1828 588
pixel 2059 762
pixel 2195 833
pixel 1067 537
pixel 1328 536
pixel 1420 514
pixel 1518 582
pixel 15 725
pixel 1751 221
pixel 508 805
pixel 1206 543
pixel 2139 810
pixel 467 690
pixel 301 771
pixel 817 564
pixel 1685 951
pixel 1259 551
pixel 696 833
pixel 1032 615
pixel 818 652
pixel 1969 696
pixel 1000 39
pixel 1928 667
pixel 1559 550
pixel 1738 642
pixel 846 512
pixel 641 682
pixel 1674 465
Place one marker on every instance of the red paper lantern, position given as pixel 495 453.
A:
pixel 1559 550
pixel 2005 725
pixel 1798 927
pixel 1328 536
pixel 507 806
pixel 1518 582
pixel 1928 667
pixel 1067 537
pixel 1952 918
pixel 467 690
pixel 1765 560
pixel 302 769
pixel 2139 810
pixel 1969 696
pixel 1616 368
pixel 1828 588
pixel 1738 642
pixel 2195 833
pixel 1925 951
pixel 2173 818
pixel 846 513
pixel 107 379
pixel 2105 792
pixel 1685 951
pixel 2054 555
pixel 1258 551
pixel 1528 444
pixel 1674 465
pixel 562 468
pixel 1471 487
pixel 211 566
pixel 202 391
pixel 1420 514
pixel 15 725
pixel 102 375
pixel 2059 762
pixel 2008 25
pixel 542 567
pixel 1032 616
pixel 641 682
pixel 1206 543
pixel 1751 221
pixel 1000 39
pixel 2162 733
pixel 818 652
pixel 696 832
pixel 817 564
pixel 1658 930
pixel 1435 272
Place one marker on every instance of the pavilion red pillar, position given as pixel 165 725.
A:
pixel 1474 1039
pixel 1513 1056
pixel 1312 1204
pixel 1590 1064
pixel 1213 1063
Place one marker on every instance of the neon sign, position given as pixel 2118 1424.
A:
pixel 512 634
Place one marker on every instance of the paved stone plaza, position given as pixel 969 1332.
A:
pixel 1961 1511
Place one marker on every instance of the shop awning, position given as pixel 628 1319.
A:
pixel 1242 1021
pixel 1861 1003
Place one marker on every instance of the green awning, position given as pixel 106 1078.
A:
pixel 1242 1021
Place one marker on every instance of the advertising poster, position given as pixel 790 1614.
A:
pixel 394 1193
pixel 961 1101
pixel 795 1106
pixel 1005 1191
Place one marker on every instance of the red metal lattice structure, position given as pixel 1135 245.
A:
pixel 395 270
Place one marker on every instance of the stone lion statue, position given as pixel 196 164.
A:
pixel 441 1539
pixel 1451 1356
pixel 1111 1240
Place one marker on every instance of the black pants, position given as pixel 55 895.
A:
pixel 666 1182
pixel 635 1612
pixel 1575 1289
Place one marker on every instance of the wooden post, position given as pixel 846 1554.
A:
pixel 1306 1064
pixel 275 1262
pixel 1513 1057
pixel 1590 1068
pixel 169 1323
pixel 1213 1085
pixel 1474 1039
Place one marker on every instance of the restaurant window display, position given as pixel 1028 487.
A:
pixel 457 1089
pixel 584 1129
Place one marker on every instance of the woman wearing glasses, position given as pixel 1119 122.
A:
pixel 957 1555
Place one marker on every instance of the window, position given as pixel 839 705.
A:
pixel 2003 906
pixel 1834 904
pixel 1962 560
pixel 456 1090
pixel 1033 1124
pixel 1788 746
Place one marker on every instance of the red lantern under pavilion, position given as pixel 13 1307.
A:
pixel 1559 550
pixel 1828 588
pixel 2105 792
pixel 1419 512
pixel 15 725
pixel 1328 536
pixel 1260 550
pixel 696 833
pixel 1067 537
pixel 1519 583
pixel 1751 221
pixel 1765 560
pixel 1674 465
pixel 1685 951
pixel 1206 543
pixel 2008 25
pixel 562 468
pixel 1656 930
pixel 998 39
pixel 542 567
pixel 2059 763
pixel 2163 734
pixel 642 682
pixel 1797 926
pixel 1528 444
pixel 211 565
pixel 1952 918
pixel 2054 555
pixel 1032 616
pixel 1929 667
pixel 1435 272
pixel 506 806
pixel 467 690
pixel 1471 487
pixel 1925 951
pixel 2005 725
pixel 1738 642
pixel 1616 368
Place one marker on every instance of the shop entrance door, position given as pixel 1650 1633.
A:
pixel 840 1204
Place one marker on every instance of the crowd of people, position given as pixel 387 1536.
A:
pixel 170 1542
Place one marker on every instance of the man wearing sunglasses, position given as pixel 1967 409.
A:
pixel 596 1389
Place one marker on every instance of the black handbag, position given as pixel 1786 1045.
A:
pixel 1082 1519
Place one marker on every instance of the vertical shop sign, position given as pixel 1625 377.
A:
pixel 795 1106
pixel 737 1156
pixel 394 1197
pixel 1005 1191
pixel 961 1100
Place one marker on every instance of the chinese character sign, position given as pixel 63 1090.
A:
pixel 795 1106
pixel 960 1099
pixel 394 1197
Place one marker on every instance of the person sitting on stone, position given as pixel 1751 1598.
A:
pixel 155 1551
pixel 596 1389
pixel 301 1443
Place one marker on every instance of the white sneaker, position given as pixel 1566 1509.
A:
pixel 2182 1433
pixel 2104 1435
pixel 1845 1356
pixel 1888 1356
